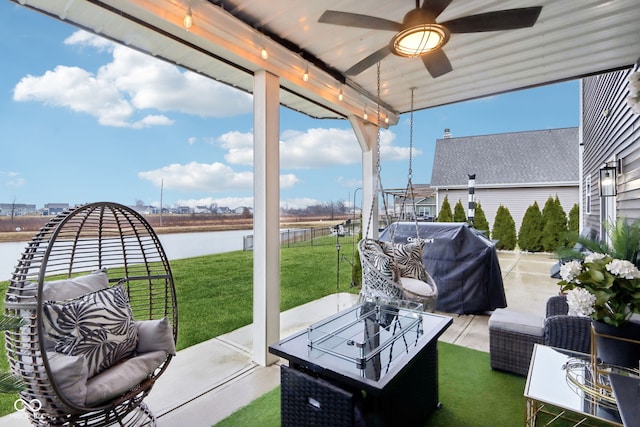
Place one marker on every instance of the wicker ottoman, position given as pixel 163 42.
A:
pixel 511 338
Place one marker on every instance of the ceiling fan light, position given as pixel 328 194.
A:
pixel 419 39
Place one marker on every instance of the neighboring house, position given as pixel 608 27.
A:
pixel 423 203
pixel 513 169
pixel 16 209
pixel 201 210
pixel 54 208
pixel 610 135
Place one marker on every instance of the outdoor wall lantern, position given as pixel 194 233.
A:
pixel 608 175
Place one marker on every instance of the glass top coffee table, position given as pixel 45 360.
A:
pixel 377 362
pixel 552 397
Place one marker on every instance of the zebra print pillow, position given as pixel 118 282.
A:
pixel 98 325
pixel 384 264
pixel 408 258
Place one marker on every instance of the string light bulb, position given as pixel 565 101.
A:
pixel 188 19
pixel 305 76
pixel 264 54
pixel 340 95
pixel 386 120
pixel 366 116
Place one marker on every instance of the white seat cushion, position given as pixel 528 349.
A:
pixel 416 286
pixel 515 321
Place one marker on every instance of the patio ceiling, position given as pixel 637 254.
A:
pixel 570 39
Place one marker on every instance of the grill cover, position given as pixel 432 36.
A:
pixel 462 261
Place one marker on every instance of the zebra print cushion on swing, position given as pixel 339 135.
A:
pixel 98 325
pixel 408 258
pixel 384 264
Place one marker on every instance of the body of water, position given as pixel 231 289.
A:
pixel 176 246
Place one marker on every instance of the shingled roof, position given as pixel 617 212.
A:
pixel 539 158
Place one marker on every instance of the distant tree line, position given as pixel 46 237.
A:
pixel 327 209
pixel 540 231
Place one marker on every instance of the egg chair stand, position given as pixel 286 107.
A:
pixel 113 250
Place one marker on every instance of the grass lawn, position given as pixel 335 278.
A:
pixel 215 292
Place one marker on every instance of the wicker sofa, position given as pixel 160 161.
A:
pixel 512 334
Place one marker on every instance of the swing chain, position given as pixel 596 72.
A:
pixel 410 175
pixel 378 167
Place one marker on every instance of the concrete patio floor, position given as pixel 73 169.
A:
pixel 207 382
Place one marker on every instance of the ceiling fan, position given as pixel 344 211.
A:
pixel 420 35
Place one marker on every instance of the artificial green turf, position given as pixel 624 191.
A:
pixel 472 395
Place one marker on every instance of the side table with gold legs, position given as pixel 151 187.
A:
pixel 552 395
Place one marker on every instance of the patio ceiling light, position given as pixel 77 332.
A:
pixel 416 40
pixel 188 19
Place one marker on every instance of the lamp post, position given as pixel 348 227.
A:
pixel 338 246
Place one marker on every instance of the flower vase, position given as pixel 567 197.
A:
pixel 615 351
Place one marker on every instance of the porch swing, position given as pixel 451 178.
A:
pixel 395 272
pixel 96 291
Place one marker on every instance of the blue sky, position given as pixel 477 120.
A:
pixel 84 120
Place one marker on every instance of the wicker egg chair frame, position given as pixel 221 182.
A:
pixel 78 241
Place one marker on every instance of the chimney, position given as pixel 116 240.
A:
pixel 447 133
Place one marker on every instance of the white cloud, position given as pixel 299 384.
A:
pixel 84 38
pixel 299 203
pixel 199 177
pixel 119 92
pixel 313 149
pixel 288 180
pixel 12 179
pixel 350 182
pixel 214 177
pixel 239 147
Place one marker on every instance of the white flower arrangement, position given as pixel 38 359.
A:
pixel 570 270
pixel 581 302
pixel 601 287
pixel 633 100
pixel 623 268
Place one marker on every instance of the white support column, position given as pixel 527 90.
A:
pixel 367 134
pixel 266 216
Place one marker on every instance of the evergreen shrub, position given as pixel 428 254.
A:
pixel 445 214
pixel 504 229
pixel 458 212
pixel 554 232
pixel 480 220
pixel 530 235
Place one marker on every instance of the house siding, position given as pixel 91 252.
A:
pixel 517 200
pixel 610 131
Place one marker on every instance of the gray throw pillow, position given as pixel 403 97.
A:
pixel 154 335
pixel 122 377
pixel 70 374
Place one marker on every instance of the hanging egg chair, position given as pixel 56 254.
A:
pixel 96 292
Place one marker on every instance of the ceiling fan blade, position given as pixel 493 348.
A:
pixel 437 63
pixel 356 20
pixel 509 19
pixel 436 6
pixel 367 62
